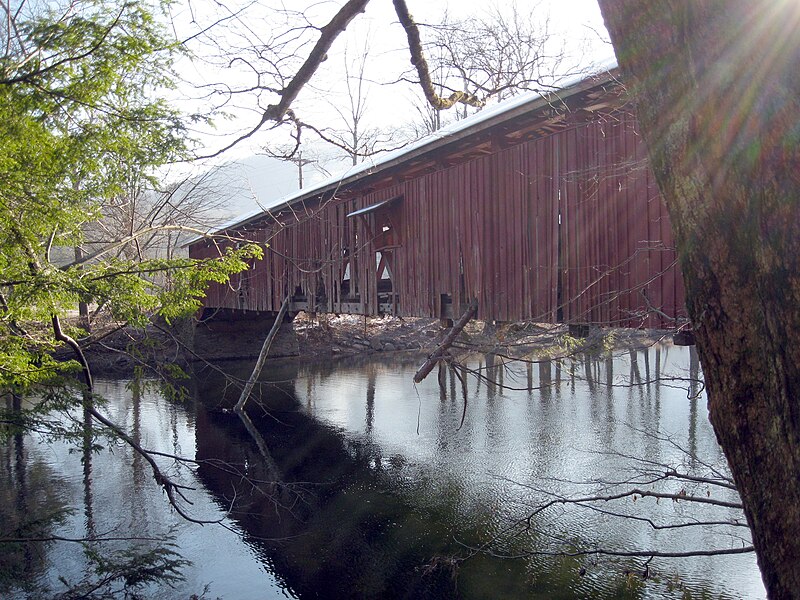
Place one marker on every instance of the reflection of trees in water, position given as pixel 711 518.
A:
pixel 503 373
pixel 101 534
pixel 631 384
pixel 87 448
pixel 370 417
pixel 30 508
pixel 349 480
pixel 350 531
pixel 652 464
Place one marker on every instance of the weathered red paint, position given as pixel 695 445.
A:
pixel 481 220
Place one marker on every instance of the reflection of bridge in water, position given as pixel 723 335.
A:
pixel 379 483
pixel 542 209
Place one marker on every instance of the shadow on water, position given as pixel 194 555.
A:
pixel 353 508
pixel 330 527
pixel 31 506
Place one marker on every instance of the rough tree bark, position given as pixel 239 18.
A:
pixel 718 99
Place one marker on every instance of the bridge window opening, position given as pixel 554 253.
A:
pixel 387 298
pixel 348 270
pixel 382 224
pixel 384 272
pixel 345 283
pixel 382 264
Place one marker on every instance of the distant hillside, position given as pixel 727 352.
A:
pixel 257 181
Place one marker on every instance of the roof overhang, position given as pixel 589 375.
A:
pixel 504 112
pixel 373 207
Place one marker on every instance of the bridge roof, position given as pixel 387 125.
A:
pixel 506 113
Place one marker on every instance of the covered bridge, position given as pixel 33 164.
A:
pixel 542 208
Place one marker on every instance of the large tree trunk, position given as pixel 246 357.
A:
pixel 718 98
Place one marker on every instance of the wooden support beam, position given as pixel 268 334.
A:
pixel 438 354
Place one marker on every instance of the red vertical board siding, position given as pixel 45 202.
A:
pixel 488 229
pixel 498 200
pixel 516 305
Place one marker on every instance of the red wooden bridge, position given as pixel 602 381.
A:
pixel 543 208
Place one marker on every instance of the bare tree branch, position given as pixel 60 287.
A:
pixel 421 65
pixel 328 34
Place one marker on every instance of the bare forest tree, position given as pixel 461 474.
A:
pixel 273 73
pixel 144 222
pixel 497 55
pixel 493 57
pixel 356 137
pixel 138 223
pixel 352 135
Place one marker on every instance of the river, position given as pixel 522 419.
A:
pixel 352 482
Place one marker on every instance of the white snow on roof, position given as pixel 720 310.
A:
pixel 374 163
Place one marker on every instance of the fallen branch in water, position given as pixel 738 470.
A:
pixel 439 353
pixel 262 357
